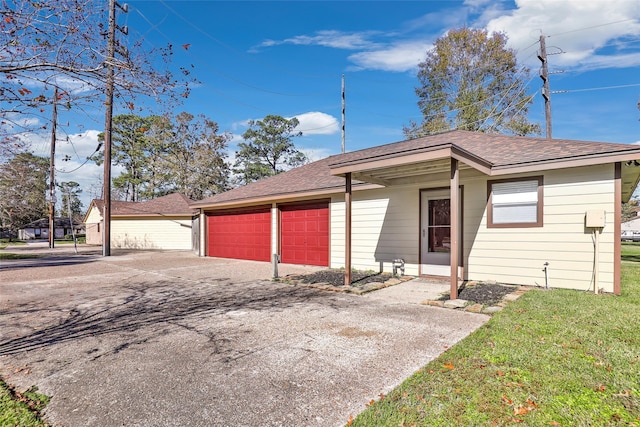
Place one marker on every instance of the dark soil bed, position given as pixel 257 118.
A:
pixel 483 293
pixel 336 277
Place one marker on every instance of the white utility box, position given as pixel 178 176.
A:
pixel 595 219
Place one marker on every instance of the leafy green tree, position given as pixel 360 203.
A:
pixel 629 210
pixel 131 149
pixel 470 80
pixel 161 156
pixel 194 157
pixel 23 188
pixel 70 192
pixel 268 149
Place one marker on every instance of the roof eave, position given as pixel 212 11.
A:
pixel 281 198
pixel 420 155
pixel 571 162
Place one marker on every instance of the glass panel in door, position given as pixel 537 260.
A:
pixel 435 225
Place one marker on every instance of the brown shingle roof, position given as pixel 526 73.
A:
pixel 314 176
pixel 498 151
pixel 172 204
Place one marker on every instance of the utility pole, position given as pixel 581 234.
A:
pixel 343 116
pixel 110 61
pixel 52 172
pixel 546 92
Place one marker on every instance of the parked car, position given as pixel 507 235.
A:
pixel 630 236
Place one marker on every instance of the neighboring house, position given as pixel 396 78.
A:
pixel 162 223
pixel 39 229
pixel 632 226
pixel 515 210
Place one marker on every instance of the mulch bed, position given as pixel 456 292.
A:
pixel 336 277
pixel 487 294
pixel 482 293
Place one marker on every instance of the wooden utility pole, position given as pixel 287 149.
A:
pixel 52 173
pixel 111 51
pixel 546 92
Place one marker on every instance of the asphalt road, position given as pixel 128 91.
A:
pixel 167 339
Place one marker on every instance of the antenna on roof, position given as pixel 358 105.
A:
pixel 343 119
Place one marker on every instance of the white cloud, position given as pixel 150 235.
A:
pixel 329 38
pixel 316 123
pixel 586 30
pixel 387 56
pixel 76 148
pixel 403 56
pixel 12 123
pixel 311 123
pixel 315 154
pixel 579 28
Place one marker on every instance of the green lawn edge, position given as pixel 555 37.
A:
pixel 557 357
pixel 21 409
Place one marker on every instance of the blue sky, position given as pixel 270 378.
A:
pixel 287 58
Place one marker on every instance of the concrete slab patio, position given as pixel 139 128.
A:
pixel 166 339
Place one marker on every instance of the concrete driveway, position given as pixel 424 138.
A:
pixel 167 339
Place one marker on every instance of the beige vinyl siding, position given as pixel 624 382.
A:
pixel 384 227
pixel 93 227
pixel 518 255
pixel 151 233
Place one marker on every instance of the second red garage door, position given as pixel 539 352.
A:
pixel 305 234
pixel 240 234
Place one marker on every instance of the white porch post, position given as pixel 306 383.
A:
pixel 455 226
pixel 202 234
pixel 275 229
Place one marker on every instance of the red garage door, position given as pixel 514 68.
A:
pixel 240 234
pixel 305 234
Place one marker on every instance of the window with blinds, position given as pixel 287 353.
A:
pixel 515 203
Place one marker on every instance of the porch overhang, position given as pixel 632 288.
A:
pixel 441 164
pixel 412 166
pixel 432 163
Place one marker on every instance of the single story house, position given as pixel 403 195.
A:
pixel 632 226
pixel 630 230
pixel 459 205
pixel 39 229
pixel 161 223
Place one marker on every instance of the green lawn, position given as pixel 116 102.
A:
pixel 11 255
pixel 21 409
pixel 5 242
pixel 552 358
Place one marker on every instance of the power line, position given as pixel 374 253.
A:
pixel 598 88
pixel 227 76
pixel 226 46
pixel 592 26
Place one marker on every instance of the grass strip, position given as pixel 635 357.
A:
pixel 558 357
pixel 10 256
pixel 21 409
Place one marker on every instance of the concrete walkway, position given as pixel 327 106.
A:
pixel 167 338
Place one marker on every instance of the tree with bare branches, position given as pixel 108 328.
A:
pixel 63 44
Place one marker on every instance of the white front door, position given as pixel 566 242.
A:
pixel 435 233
